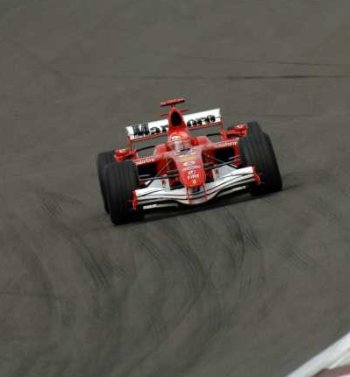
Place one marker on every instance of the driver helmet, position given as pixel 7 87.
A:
pixel 180 142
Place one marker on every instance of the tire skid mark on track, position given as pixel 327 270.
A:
pixel 156 320
pixel 104 305
pixel 157 296
pixel 111 349
pixel 290 250
pixel 99 270
pixel 48 300
pixel 247 280
pixel 202 291
pixel 32 262
pixel 250 277
pixel 228 245
pixel 198 287
pixel 250 248
pixel 328 210
pixel 316 198
pixel 269 302
pixel 151 329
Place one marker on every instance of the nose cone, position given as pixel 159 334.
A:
pixel 191 170
pixel 194 178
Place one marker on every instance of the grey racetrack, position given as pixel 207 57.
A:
pixel 242 287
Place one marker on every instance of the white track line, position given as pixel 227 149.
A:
pixel 336 355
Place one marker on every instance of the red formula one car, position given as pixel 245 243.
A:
pixel 187 168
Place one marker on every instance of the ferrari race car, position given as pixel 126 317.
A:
pixel 187 167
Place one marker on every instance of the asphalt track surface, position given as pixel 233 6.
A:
pixel 243 287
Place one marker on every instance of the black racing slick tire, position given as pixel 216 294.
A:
pixel 103 159
pixel 122 180
pixel 256 150
pixel 253 128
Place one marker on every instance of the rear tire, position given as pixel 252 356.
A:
pixel 256 150
pixel 103 159
pixel 122 180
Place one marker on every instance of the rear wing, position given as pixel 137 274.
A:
pixel 145 131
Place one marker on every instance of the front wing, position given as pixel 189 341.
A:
pixel 226 181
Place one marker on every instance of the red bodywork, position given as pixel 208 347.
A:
pixel 189 170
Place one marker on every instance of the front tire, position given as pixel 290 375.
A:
pixel 256 150
pixel 122 180
pixel 254 128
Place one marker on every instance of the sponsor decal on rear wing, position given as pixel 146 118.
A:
pixel 160 127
